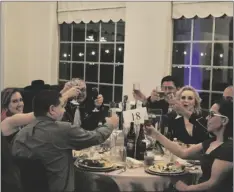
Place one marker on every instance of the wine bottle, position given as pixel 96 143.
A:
pixel 140 144
pixel 131 138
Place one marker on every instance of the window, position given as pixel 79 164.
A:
pixel 95 53
pixel 203 55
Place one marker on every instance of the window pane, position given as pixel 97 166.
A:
pixel 92 52
pixel 215 97
pixel 65 51
pixel 107 31
pixel 202 30
pixel 205 100
pixel 224 28
pixel 182 74
pixel 119 53
pixel 120 31
pixel 221 78
pixel 106 73
pixel 106 91
pixel 107 53
pixel 93 30
pixel 79 32
pixel 223 54
pixel 78 52
pixel 78 70
pixel 91 72
pixel 181 53
pixel 200 78
pixel 118 94
pixel 201 54
pixel 65 32
pixel 118 74
pixel 182 30
pixel 64 70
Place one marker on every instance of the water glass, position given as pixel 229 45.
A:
pixel 136 86
pixel 148 159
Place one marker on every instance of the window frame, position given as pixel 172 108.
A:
pixel 98 63
pixel 211 67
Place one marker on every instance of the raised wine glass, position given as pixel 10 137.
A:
pixel 78 82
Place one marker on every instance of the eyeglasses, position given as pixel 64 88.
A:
pixel 202 121
pixel 212 114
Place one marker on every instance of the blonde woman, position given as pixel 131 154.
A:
pixel 185 126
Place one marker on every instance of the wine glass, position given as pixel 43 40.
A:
pixel 160 93
pixel 136 88
pixel 95 94
pixel 74 82
pixel 78 99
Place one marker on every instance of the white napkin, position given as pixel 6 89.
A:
pixel 133 163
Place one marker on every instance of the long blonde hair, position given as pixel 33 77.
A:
pixel 197 107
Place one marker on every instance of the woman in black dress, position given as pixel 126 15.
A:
pixel 184 125
pixel 215 154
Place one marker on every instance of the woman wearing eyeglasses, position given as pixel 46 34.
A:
pixel 215 154
pixel 185 124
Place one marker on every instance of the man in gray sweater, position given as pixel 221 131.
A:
pixel 51 141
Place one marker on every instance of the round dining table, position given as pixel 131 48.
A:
pixel 134 179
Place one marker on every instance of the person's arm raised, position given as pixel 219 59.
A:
pixel 192 152
pixel 72 92
pixel 10 124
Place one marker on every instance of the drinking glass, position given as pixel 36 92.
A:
pixel 78 82
pixel 136 88
pixel 160 92
pixel 148 159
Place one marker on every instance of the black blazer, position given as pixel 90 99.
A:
pixel 176 127
pixel 89 119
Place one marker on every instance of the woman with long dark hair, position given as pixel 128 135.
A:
pixel 215 154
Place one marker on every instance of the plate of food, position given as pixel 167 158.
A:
pixel 95 164
pixel 163 168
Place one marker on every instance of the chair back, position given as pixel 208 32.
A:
pixel 33 175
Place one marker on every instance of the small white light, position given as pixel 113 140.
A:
pixel 69 55
pixel 120 48
pixel 64 55
pixel 176 50
pixel 107 51
pixel 221 55
pixel 93 52
pixel 202 54
pixel 185 53
pixel 81 54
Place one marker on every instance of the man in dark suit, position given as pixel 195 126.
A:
pixel 90 112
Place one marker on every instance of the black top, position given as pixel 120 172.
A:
pixel 176 127
pixel 223 152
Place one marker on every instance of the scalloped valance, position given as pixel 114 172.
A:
pixel 202 9
pixel 69 12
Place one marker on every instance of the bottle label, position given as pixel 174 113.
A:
pixel 130 144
